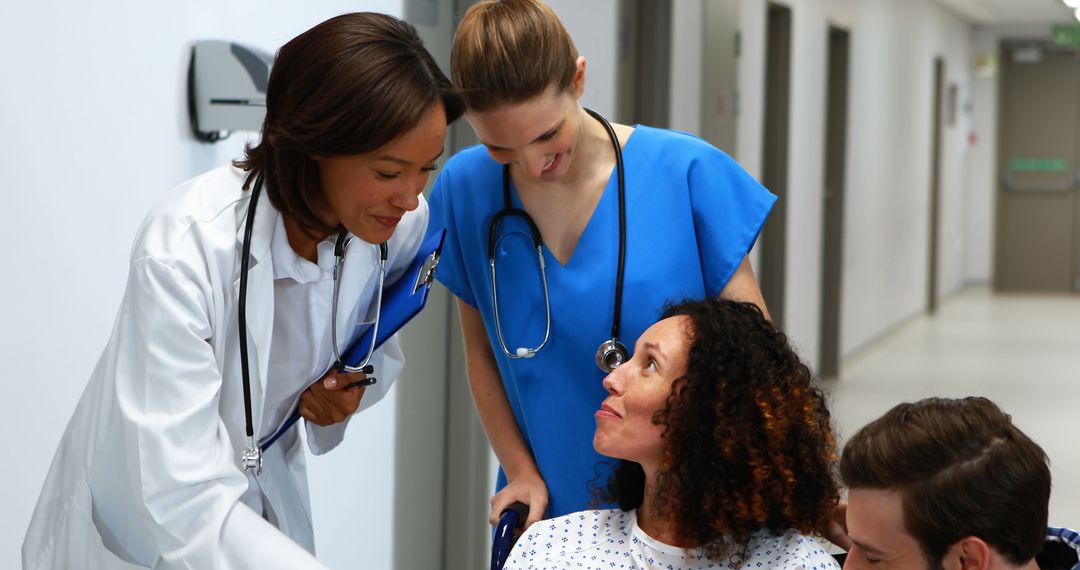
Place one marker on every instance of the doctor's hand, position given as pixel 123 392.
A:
pixel 331 400
pixel 528 488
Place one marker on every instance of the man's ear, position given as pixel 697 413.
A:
pixel 969 553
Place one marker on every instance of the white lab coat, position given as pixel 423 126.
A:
pixel 147 473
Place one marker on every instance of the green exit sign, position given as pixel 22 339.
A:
pixel 1065 36
pixel 1038 165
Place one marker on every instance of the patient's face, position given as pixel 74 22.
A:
pixel 875 521
pixel 637 390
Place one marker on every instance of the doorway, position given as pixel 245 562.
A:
pixel 935 189
pixel 1037 232
pixel 836 114
pixel 644 64
pixel 721 76
pixel 775 158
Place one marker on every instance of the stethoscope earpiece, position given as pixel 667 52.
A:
pixel 611 355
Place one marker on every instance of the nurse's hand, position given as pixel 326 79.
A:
pixel 330 401
pixel 525 488
pixel 837 530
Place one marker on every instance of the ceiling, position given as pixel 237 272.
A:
pixel 1012 12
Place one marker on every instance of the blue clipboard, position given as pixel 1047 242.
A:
pixel 401 301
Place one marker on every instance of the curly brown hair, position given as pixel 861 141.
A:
pixel 750 445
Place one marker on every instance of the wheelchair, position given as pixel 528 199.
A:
pixel 510 521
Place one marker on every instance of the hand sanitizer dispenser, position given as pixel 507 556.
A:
pixel 226 88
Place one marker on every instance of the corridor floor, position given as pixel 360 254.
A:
pixel 1021 351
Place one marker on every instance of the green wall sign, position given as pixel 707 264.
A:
pixel 1065 36
pixel 1038 165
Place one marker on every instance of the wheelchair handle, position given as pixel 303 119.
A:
pixel 511 519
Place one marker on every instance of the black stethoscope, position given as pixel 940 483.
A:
pixel 611 352
pixel 251 457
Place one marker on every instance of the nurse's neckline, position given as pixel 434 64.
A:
pixel 561 251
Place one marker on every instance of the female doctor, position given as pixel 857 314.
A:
pixel 149 472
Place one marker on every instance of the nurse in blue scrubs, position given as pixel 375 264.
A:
pixel 691 216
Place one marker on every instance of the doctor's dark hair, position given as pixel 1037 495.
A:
pixel 962 469
pixel 509 51
pixel 749 444
pixel 347 86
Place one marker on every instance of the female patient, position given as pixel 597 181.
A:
pixel 725 448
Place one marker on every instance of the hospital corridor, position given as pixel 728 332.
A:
pixel 1022 351
pixel 924 242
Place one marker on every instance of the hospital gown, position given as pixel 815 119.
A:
pixel 595 540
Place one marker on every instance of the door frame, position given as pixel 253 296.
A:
pixel 772 275
pixel 832 211
pixel 934 213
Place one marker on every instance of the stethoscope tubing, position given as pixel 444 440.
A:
pixel 525 352
pixel 538 242
pixel 612 346
pixel 340 248
pixel 251 457
pixel 616 319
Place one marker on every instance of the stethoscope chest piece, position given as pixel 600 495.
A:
pixel 251 458
pixel 611 355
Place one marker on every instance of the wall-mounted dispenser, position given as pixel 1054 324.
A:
pixel 226 88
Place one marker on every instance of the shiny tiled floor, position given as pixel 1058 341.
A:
pixel 1021 351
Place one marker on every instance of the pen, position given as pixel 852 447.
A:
pixel 369 381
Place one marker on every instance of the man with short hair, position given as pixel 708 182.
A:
pixel 945 484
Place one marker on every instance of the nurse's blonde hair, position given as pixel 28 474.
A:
pixel 509 51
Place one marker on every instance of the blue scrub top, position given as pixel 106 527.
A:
pixel 692 214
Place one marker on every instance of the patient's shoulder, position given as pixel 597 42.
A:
pixel 580 530
pixel 790 551
pixel 556 539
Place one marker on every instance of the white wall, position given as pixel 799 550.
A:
pixel 888 176
pixel 94 130
pixel 719 74
pixel 806 175
pixel 981 181
pixel 593 27
pixel 888 164
pixel 687 67
pixel 959 209
pixel 750 105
